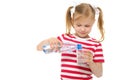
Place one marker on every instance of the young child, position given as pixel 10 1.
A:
pixel 81 18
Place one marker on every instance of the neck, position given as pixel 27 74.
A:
pixel 82 37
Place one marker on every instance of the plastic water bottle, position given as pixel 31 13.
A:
pixel 79 53
pixel 66 47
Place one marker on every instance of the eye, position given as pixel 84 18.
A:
pixel 79 25
pixel 87 25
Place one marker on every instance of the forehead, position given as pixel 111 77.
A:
pixel 81 19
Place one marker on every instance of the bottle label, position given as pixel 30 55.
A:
pixel 67 47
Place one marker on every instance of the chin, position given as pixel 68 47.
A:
pixel 82 36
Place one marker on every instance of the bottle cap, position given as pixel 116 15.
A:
pixel 79 46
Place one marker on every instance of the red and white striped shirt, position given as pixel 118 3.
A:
pixel 70 70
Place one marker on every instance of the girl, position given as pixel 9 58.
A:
pixel 81 18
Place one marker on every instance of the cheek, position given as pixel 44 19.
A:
pixel 75 28
pixel 89 29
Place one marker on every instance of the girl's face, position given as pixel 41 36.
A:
pixel 83 26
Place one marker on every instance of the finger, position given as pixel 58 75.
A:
pixel 88 53
pixel 60 43
pixel 57 44
pixel 52 43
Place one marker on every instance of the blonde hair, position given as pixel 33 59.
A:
pixel 85 10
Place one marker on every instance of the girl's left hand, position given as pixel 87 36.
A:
pixel 88 57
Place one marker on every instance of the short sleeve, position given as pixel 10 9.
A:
pixel 98 53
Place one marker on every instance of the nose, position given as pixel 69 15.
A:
pixel 82 28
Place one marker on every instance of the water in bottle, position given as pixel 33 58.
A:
pixel 66 47
pixel 79 53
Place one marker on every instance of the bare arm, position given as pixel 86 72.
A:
pixel 96 67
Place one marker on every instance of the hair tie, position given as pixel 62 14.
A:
pixel 72 11
pixel 96 9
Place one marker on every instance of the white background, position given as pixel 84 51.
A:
pixel 24 23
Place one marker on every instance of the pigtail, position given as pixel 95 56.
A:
pixel 68 20
pixel 100 24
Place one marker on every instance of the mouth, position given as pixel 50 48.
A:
pixel 83 33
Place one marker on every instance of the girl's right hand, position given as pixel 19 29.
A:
pixel 54 43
